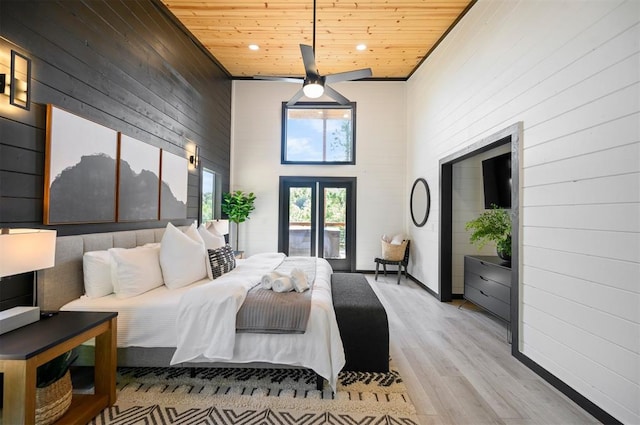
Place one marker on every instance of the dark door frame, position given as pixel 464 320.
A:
pixel 511 134
pixel 283 213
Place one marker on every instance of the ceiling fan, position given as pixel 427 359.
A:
pixel 315 85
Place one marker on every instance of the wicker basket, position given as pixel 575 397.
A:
pixel 53 401
pixel 393 252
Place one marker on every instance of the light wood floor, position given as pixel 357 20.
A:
pixel 458 367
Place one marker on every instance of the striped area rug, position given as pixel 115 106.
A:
pixel 256 396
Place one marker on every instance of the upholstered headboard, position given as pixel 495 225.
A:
pixel 64 282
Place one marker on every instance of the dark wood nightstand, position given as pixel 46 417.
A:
pixel 26 348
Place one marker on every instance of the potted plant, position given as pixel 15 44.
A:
pixel 237 206
pixel 493 225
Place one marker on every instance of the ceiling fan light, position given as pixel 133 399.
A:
pixel 313 90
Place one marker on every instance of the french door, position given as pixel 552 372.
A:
pixel 317 219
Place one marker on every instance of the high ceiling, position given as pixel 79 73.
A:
pixel 397 34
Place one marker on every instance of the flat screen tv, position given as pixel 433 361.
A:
pixel 496 179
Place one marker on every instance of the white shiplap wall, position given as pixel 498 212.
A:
pixel 569 70
pixel 382 193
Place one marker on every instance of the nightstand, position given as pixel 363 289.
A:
pixel 487 283
pixel 24 349
pixel 238 254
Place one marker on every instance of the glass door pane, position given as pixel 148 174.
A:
pixel 301 228
pixel 335 222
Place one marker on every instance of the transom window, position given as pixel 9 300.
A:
pixel 318 133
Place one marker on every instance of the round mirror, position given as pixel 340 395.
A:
pixel 420 202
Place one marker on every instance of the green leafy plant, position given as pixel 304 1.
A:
pixel 493 225
pixel 54 369
pixel 237 206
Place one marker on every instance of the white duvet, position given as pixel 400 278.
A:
pixel 189 319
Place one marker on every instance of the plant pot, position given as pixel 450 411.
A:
pixel 53 400
pixel 504 256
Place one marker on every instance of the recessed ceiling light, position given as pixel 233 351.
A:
pixel 361 47
pixel 254 47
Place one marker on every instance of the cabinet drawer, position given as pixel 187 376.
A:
pixel 487 286
pixel 488 270
pixel 487 302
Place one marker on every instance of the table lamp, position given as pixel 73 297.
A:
pixel 22 251
pixel 221 227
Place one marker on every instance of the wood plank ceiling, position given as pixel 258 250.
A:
pixel 398 34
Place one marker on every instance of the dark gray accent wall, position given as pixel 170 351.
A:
pixel 125 64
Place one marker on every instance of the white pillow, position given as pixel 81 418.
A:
pixel 397 239
pixel 194 233
pixel 96 268
pixel 135 271
pixel 211 240
pixel 182 258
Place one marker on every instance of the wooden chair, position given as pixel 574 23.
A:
pixel 400 263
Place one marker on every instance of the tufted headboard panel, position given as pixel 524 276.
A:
pixel 64 282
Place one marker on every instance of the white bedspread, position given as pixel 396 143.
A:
pixel 147 320
pixel 155 319
pixel 319 348
pixel 203 309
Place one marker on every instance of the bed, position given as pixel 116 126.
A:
pixel 149 330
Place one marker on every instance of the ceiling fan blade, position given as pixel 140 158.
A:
pixel 309 59
pixel 274 78
pixel 335 95
pixel 295 98
pixel 348 76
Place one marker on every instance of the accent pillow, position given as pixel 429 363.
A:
pixel 182 259
pixel 222 260
pixel 96 269
pixel 211 240
pixel 135 271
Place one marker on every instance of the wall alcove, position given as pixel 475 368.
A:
pixel 510 136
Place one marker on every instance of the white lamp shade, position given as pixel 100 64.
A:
pixel 220 227
pixel 26 250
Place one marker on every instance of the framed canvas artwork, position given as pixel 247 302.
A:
pixel 174 174
pixel 80 170
pixel 139 180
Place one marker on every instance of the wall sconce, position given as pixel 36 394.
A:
pixel 195 158
pixel 18 84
